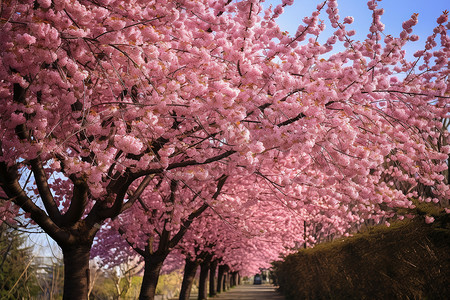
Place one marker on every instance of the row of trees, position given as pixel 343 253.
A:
pixel 200 126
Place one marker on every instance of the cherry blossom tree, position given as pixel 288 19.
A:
pixel 232 229
pixel 156 224
pixel 243 233
pixel 101 98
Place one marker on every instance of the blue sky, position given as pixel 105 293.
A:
pixel 395 12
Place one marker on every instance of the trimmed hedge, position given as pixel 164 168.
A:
pixel 409 260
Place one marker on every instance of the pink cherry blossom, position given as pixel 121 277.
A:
pixel 429 219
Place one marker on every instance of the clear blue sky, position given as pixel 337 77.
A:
pixel 395 12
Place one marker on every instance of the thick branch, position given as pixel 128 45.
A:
pixel 292 120
pixel 138 192
pixel 10 185
pixel 186 164
pixel 44 190
pixel 220 185
pixel 77 203
pixel 116 192
pixel 164 242
pixel 186 223
pixel 120 187
pixel 19 96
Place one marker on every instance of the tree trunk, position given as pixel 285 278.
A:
pixel 212 279
pixel 220 278
pixel 153 265
pixel 232 282
pixel 225 281
pixel 190 268
pixel 76 272
pixel 234 277
pixel 202 288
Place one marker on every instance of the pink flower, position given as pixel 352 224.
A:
pixel 429 219
pixel 45 3
pixel 16 119
pixel 25 39
pixel 128 144
pixel 348 20
pixel 278 10
pixel 257 147
pixel 443 18
pixel 414 38
pixel 288 2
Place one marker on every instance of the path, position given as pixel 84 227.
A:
pixel 248 292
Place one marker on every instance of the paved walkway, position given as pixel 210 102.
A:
pixel 248 292
pixel 251 292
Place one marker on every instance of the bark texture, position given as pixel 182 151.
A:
pixel 153 265
pixel 202 288
pixel 190 269
pixel 76 272
pixel 212 279
pixel 220 278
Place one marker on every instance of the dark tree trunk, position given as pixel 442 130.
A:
pixel 212 279
pixel 190 268
pixel 76 272
pixel 220 278
pixel 239 279
pixel 225 282
pixel 232 280
pixel 202 288
pixel 235 278
pixel 153 265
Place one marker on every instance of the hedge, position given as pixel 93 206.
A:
pixel 409 260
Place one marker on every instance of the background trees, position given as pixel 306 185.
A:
pixel 17 272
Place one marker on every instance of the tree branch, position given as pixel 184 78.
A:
pixel 78 201
pixel 138 192
pixel 185 164
pixel 266 105
pixel 195 163
pixel 186 223
pixel 116 192
pixel 44 190
pixel 19 96
pixel 137 249
pixel 164 241
pixel 10 185
pixel 407 93
pixel 292 120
